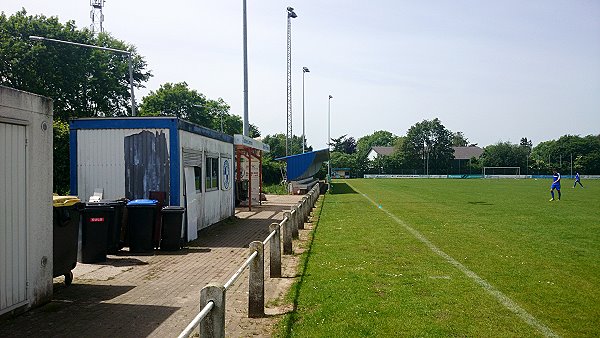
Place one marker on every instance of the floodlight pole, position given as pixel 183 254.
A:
pixel 290 15
pixel 129 59
pixel 329 135
pixel 246 130
pixel 304 71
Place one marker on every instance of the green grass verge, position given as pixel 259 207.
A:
pixel 275 189
pixel 365 274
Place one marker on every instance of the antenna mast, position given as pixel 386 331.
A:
pixel 96 16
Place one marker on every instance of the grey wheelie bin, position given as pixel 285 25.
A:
pixel 141 219
pixel 172 220
pixel 66 216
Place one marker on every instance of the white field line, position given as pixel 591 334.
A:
pixel 501 297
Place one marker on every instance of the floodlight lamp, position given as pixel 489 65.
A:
pixel 305 70
pixel 291 13
pixel 331 97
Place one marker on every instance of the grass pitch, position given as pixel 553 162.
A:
pixel 415 257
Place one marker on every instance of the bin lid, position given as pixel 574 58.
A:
pixel 173 208
pixel 64 201
pixel 143 202
pixel 112 203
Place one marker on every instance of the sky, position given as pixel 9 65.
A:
pixel 493 70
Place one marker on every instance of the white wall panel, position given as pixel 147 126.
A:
pixel 216 204
pixel 13 211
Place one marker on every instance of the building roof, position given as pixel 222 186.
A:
pixel 460 153
pixel 384 151
pixel 466 153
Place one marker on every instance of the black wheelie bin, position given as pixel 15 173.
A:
pixel 66 216
pixel 172 220
pixel 141 219
pixel 97 218
pixel 113 241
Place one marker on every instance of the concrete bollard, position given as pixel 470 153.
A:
pixel 256 282
pixel 213 325
pixel 303 213
pixel 287 234
pixel 294 224
pixel 275 252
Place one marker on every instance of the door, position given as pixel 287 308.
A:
pixel 13 219
pixel 193 200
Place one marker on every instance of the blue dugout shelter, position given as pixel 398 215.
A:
pixel 306 165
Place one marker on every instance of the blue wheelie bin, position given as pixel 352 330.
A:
pixel 141 219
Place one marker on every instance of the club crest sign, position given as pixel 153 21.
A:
pixel 226 174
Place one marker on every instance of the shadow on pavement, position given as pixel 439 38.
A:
pixel 82 308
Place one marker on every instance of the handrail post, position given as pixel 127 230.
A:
pixel 275 252
pixel 287 234
pixel 305 211
pixel 300 219
pixel 213 325
pixel 256 282
pixel 295 218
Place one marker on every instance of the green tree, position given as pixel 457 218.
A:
pixel 459 139
pixel 277 144
pixel 505 154
pixel 177 99
pixel 82 82
pixel 583 153
pixel 428 144
pixel 344 144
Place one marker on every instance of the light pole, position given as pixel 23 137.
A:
pixel 304 71
pixel 133 108
pixel 246 130
pixel 290 15
pixel 329 134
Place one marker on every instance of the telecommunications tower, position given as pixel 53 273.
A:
pixel 96 16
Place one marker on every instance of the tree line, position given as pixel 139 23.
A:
pixel 87 82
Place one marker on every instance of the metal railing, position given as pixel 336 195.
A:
pixel 211 318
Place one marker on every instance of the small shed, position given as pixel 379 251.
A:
pixel 26 204
pixel 248 155
pixel 340 172
pixel 130 157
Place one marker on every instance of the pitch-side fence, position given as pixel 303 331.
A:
pixel 211 318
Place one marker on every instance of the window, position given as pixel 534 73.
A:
pixel 198 179
pixel 212 173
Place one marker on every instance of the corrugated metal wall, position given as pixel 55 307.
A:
pixel 101 161
pixel 13 222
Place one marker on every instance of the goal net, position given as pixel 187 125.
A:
pixel 502 172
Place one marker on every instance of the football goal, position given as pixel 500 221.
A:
pixel 502 172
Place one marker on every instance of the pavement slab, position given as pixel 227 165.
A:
pixel 157 295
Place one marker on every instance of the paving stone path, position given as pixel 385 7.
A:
pixel 158 295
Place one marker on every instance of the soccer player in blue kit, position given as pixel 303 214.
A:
pixel 577 180
pixel 555 184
